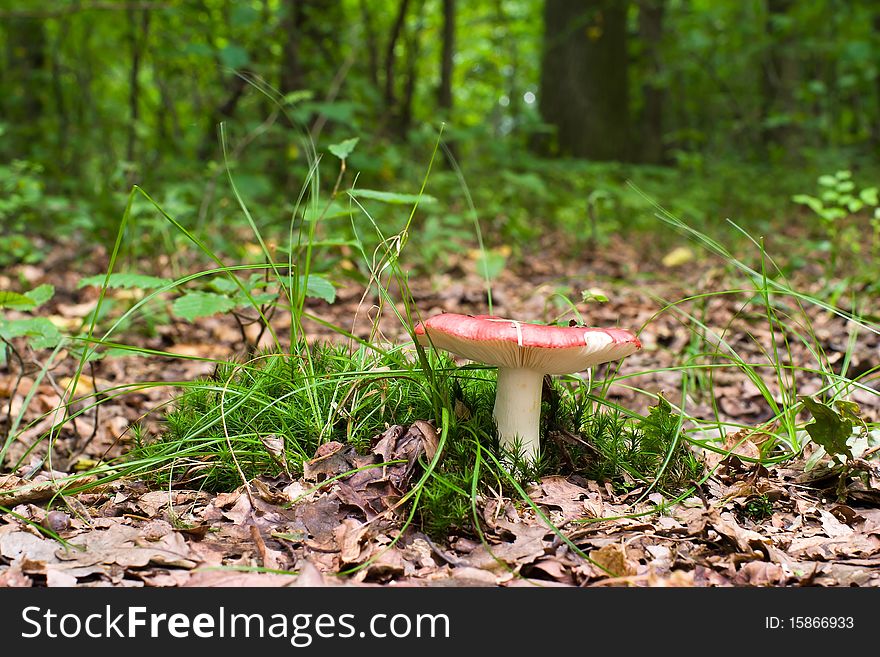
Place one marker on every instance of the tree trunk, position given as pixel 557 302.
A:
pixel 876 117
pixel 653 90
pixel 63 163
pixel 372 43
pixel 390 59
pixel 447 52
pixel 138 32
pixel 780 77
pixel 413 52
pixel 584 78
pixel 291 67
pixel 23 102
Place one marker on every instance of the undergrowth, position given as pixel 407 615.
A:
pixel 220 429
pixel 223 429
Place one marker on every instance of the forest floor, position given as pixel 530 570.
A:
pixel 747 525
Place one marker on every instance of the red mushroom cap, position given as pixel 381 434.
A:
pixel 510 343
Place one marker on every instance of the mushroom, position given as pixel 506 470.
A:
pixel 524 353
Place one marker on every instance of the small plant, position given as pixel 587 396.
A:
pixel 843 435
pixel 838 205
pixel 23 207
pixel 18 321
pixel 758 507
pixel 645 449
pixel 790 351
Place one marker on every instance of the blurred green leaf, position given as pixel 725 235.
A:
pixel 810 201
pixel 40 295
pixel 234 56
pixel 15 300
pixel 344 148
pixel 194 305
pixel 319 287
pixel 125 281
pixel 391 197
pixel 490 264
pixel 243 15
pixel 869 196
pixel 40 332
pixel 323 211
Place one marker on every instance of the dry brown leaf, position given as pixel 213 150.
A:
pixel 240 512
pixel 330 459
pixel 832 527
pixel 350 534
pixel 14 490
pixel 528 545
pixel 558 492
pixel 239 579
pixel 13 577
pixel 16 545
pixel 614 560
pixel 760 573
pixel 309 576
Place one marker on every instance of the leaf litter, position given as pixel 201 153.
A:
pixel 342 522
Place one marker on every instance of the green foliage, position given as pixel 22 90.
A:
pixel 650 448
pixel 344 148
pixel 393 198
pixel 28 300
pixel 829 428
pixel 75 144
pixel 23 206
pixel 38 332
pixel 318 287
pixel 194 305
pixel 758 508
pixel 838 206
pixel 125 281
pixel 325 393
pixel 321 394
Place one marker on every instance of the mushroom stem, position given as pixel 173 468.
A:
pixel 518 410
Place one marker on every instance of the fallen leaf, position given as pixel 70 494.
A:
pixel 614 560
pixel 558 492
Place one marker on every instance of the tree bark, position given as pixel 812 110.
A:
pixel 138 32
pixel 653 90
pixel 390 59
pixel 63 133
pixel 876 117
pixel 372 43
pixel 413 51
pixel 447 52
pixel 291 67
pixel 781 72
pixel 584 78
pixel 23 103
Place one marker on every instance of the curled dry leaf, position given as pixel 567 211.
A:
pixel 558 492
pixel 15 490
pixel 274 444
pixel 330 459
pixel 614 561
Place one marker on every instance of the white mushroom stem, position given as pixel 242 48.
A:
pixel 518 410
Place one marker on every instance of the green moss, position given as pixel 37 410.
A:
pixel 327 393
